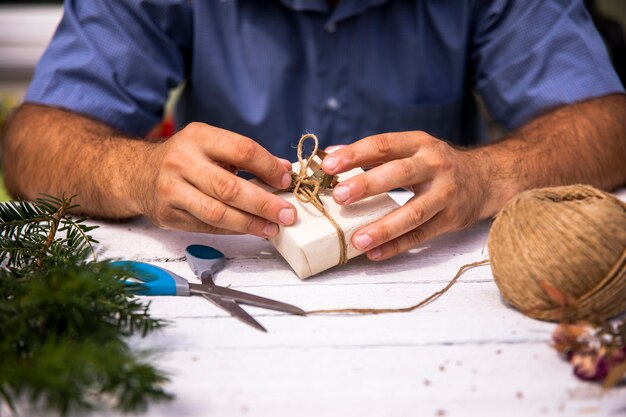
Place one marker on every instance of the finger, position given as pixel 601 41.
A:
pixel 183 221
pixel 230 168
pixel 234 191
pixel 414 213
pixel 371 150
pixel 220 215
pixel 434 227
pixel 286 164
pixel 243 153
pixel 395 174
pixel 333 148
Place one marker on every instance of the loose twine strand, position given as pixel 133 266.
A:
pixel 424 302
pixel 307 188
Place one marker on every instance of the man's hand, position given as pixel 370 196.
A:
pixel 448 184
pixel 190 185
pixel 182 183
pixel 580 143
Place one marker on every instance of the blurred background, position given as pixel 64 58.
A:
pixel 26 27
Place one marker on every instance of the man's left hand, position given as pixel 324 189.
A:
pixel 450 188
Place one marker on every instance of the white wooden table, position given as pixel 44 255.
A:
pixel 466 354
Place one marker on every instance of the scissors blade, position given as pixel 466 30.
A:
pixel 234 310
pixel 250 299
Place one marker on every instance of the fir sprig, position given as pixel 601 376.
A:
pixel 65 318
pixel 29 233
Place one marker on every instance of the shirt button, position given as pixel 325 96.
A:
pixel 332 104
pixel 331 28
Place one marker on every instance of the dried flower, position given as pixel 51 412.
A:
pixel 596 352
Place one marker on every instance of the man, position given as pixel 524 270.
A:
pixel 260 73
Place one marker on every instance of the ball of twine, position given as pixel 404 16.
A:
pixel 559 253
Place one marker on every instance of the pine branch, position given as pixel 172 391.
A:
pixel 25 226
pixel 64 320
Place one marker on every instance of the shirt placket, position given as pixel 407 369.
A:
pixel 331 70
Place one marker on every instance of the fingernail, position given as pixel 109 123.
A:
pixel 285 181
pixel 285 163
pixel 375 253
pixel 330 162
pixel 286 216
pixel 362 241
pixel 333 148
pixel 270 229
pixel 341 193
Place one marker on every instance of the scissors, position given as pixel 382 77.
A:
pixel 204 261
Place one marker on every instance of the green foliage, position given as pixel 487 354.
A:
pixel 65 318
pixel 4 195
pixel 29 234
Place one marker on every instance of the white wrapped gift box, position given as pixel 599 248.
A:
pixel 312 245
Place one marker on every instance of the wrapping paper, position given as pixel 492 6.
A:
pixel 311 245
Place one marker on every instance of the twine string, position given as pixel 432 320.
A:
pixel 307 188
pixel 424 302
pixel 559 253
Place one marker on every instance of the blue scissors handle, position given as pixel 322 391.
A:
pixel 203 259
pixel 154 280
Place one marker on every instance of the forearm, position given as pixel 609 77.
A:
pixel 183 183
pixel 51 151
pixel 581 143
pixel 454 187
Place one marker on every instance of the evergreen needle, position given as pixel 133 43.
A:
pixel 65 318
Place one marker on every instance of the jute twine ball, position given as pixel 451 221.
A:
pixel 571 239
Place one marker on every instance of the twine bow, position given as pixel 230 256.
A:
pixel 306 187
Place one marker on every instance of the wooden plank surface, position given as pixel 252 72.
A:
pixel 467 354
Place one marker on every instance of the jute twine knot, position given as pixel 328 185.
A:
pixel 559 253
pixel 307 187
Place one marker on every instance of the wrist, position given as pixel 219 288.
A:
pixel 496 175
pixel 133 164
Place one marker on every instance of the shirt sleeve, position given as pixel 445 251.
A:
pixel 533 55
pixel 115 60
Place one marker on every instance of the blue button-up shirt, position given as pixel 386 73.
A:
pixel 274 69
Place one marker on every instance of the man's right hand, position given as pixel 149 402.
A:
pixel 181 183
pixel 189 184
